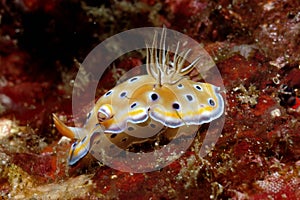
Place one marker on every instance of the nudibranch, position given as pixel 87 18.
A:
pixel 165 96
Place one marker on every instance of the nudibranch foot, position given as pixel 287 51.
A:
pixel 80 147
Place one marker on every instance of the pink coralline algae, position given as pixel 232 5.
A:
pixel 278 186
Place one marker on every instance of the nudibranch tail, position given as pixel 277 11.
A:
pixel 62 128
pixel 70 132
